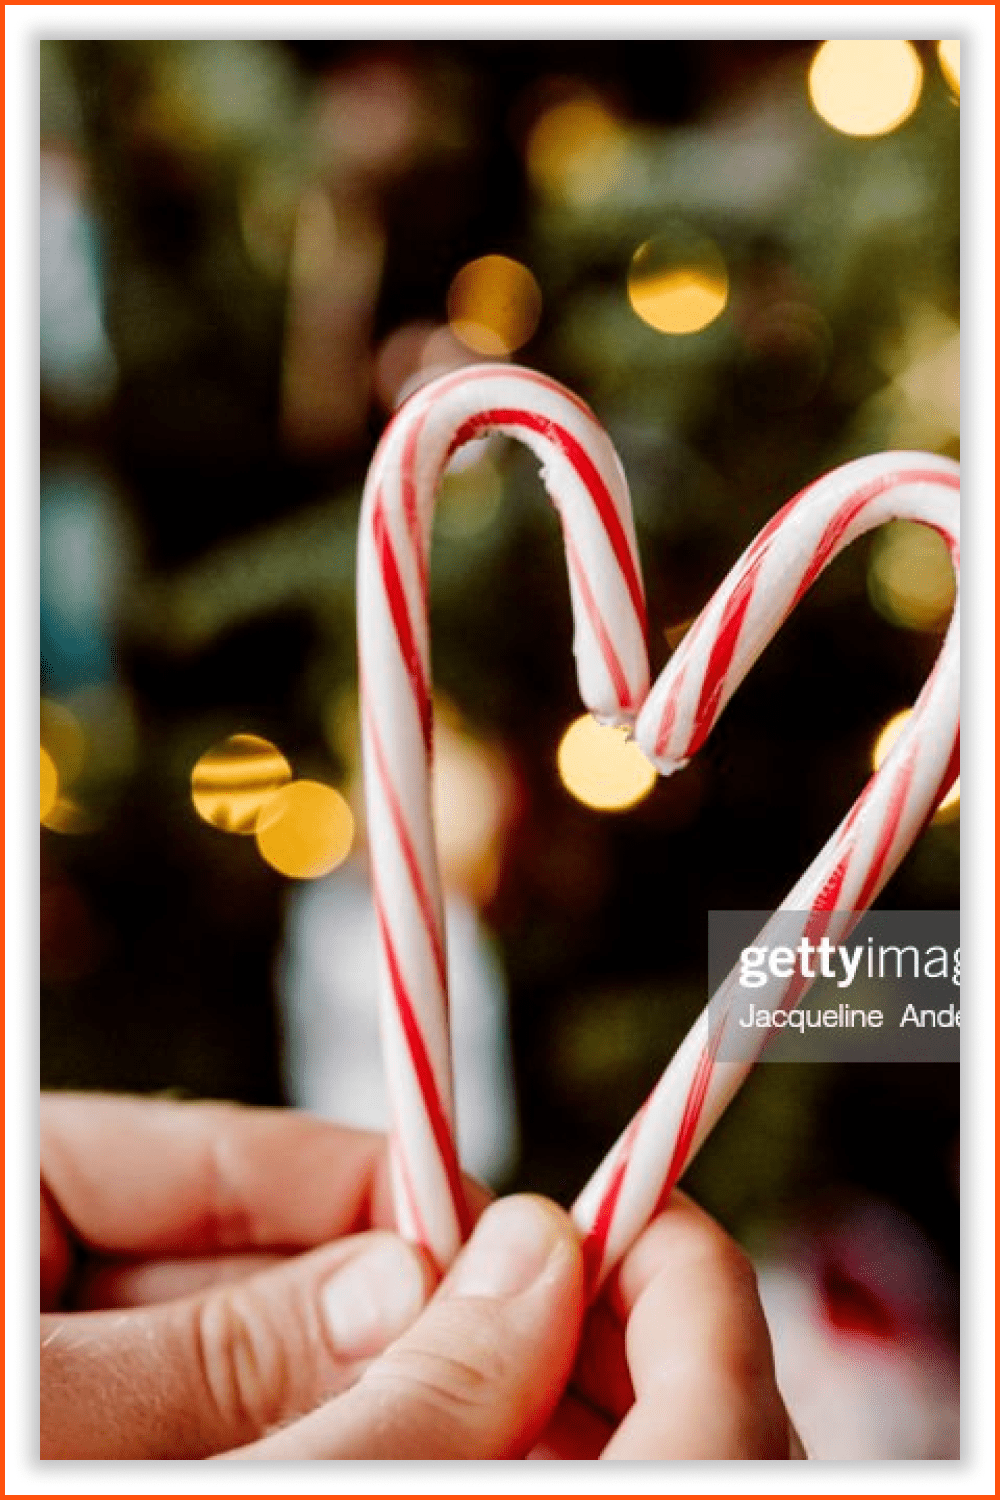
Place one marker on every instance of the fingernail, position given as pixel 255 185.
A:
pixel 511 1247
pixel 373 1298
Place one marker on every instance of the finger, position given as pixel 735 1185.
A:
pixel 698 1347
pixel 191 1378
pixel 480 1373
pixel 576 1431
pixel 601 1376
pixel 157 1177
pixel 144 1283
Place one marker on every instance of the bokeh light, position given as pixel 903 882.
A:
pixel 949 57
pixel 63 739
pixel 413 354
pixel 48 783
pixel 677 282
pixel 574 150
pixel 948 807
pixel 70 816
pixel 865 88
pixel 494 304
pixel 472 791
pixel 305 830
pixel 234 780
pixel 471 492
pixel 910 577
pixel 601 767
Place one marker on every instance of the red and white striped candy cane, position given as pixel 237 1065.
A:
pixel 855 863
pixel 584 479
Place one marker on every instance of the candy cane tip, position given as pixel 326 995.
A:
pixel 622 718
pixel 665 764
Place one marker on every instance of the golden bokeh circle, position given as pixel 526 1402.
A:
pixel 574 150
pixel 494 305
pixel 48 783
pixel 949 58
pixel 601 767
pixel 63 738
pixel 678 283
pixel 306 830
pixel 911 578
pixel 235 779
pixel 865 88
pixel 948 807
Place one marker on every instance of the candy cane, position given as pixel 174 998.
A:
pixel 585 481
pixel 855 863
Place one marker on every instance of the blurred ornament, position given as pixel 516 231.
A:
pixel 865 88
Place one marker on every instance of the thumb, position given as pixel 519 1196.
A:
pixel 481 1371
pixel 192 1377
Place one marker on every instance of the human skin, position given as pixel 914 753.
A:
pixel 220 1281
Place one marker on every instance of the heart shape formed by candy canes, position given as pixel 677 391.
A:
pixel 588 487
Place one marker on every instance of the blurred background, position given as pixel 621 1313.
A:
pixel 745 257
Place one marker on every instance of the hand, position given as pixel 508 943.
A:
pixel 213 1325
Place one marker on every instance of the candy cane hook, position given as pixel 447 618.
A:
pixel 852 867
pixel 586 483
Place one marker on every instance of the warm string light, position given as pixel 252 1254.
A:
pixel 865 88
pixel 678 283
pixel 494 305
pixel 48 783
pixel 574 150
pixel 910 577
pixel 305 830
pixel 949 54
pixel 601 767
pixel 244 785
pixel 65 750
pixel 233 781
pixel 948 807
